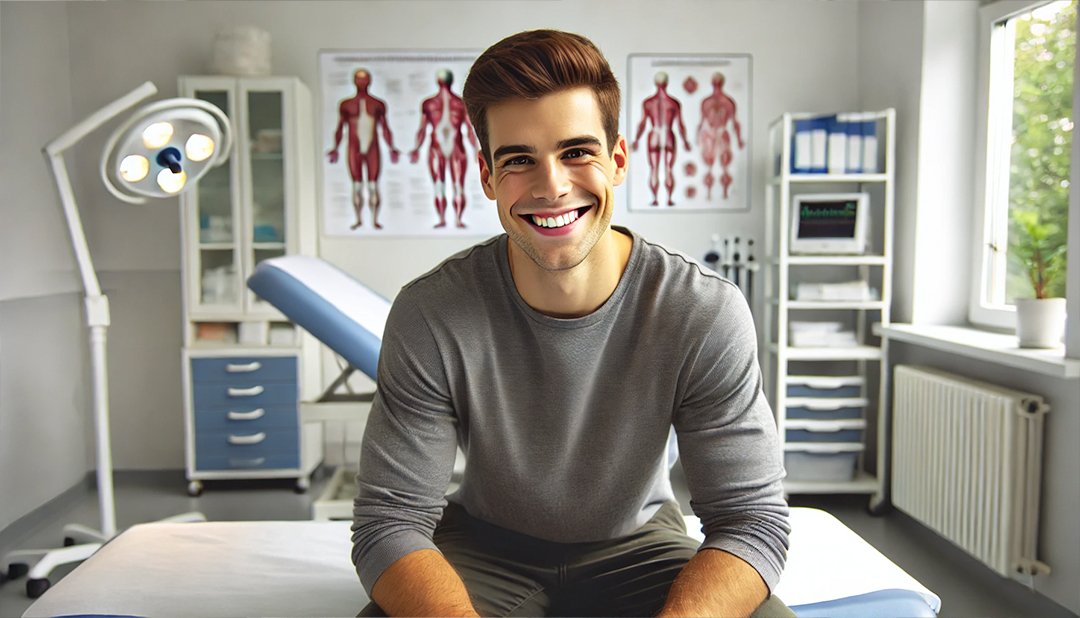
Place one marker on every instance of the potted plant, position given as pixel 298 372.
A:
pixel 1038 248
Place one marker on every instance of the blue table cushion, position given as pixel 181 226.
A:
pixel 888 603
pixel 334 307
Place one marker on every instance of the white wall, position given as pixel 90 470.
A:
pixel 933 88
pixel 890 78
pixel 944 207
pixel 44 445
pixel 803 59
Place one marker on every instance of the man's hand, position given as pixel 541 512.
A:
pixel 715 583
pixel 422 583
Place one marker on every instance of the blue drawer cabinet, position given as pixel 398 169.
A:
pixel 244 419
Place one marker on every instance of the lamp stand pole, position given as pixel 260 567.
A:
pixel 97 307
pixel 81 541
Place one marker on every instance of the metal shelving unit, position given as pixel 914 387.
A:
pixel 875 267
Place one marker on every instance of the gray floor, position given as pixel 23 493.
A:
pixel 965 586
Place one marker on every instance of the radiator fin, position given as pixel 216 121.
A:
pixel 967 463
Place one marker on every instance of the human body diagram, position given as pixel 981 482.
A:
pixel 443 116
pixel 717 111
pixel 365 118
pixel 664 113
pixel 706 167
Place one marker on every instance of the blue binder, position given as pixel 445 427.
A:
pixel 801 146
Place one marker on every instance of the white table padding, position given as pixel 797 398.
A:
pixel 302 568
pixel 827 560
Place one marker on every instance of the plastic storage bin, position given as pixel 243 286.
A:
pixel 821 461
pixel 825 431
pixel 820 408
pixel 824 386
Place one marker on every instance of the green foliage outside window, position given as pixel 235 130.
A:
pixel 1039 162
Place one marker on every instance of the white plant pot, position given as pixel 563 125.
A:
pixel 1040 322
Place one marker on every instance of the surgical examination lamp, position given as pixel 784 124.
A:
pixel 163 149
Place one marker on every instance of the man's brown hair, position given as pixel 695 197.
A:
pixel 530 65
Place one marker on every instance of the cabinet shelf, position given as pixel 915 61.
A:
pixel 785 271
pixel 829 260
pixel 858 352
pixel 829 178
pixel 217 246
pixel 858 305
pixel 268 246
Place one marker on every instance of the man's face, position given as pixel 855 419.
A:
pixel 551 175
pixel 362 79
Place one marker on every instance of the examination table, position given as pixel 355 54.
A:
pixel 303 568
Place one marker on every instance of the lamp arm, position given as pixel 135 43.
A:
pixel 72 136
pixel 75 230
pixel 54 153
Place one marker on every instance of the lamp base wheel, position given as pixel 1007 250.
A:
pixel 36 587
pixel 194 488
pixel 17 570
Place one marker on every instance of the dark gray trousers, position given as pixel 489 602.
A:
pixel 511 574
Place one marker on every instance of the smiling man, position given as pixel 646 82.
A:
pixel 561 357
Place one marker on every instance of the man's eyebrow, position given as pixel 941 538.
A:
pixel 584 140
pixel 502 151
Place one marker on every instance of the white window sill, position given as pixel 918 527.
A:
pixel 984 345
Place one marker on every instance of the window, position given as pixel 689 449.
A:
pixel 1028 85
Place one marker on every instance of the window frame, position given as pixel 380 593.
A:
pixel 990 231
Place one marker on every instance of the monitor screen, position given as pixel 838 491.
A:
pixel 825 223
pixel 828 219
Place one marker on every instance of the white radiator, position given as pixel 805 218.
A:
pixel 967 463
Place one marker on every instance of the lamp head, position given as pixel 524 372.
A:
pixel 164 148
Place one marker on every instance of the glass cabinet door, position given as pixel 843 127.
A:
pixel 217 258
pixel 267 232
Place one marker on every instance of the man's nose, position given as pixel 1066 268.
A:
pixel 551 182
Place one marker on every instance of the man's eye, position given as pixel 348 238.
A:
pixel 515 161
pixel 576 153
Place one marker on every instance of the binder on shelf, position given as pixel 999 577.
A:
pixel 869 145
pixel 836 147
pixel 854 142
pixel 801 153
pixel 819 144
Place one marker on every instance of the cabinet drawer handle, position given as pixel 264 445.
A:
pixel 254 438
pixel 246 416
pixel 246 392
pixel 253 462
pixel 243 368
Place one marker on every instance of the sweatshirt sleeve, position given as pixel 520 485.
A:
pixel 729 446
pixel 408 449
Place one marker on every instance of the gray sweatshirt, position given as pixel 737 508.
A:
pixel 564 422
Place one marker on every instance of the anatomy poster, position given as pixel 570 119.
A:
pixel 398 152
pixel 688 124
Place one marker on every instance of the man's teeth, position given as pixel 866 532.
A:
pixel 560 221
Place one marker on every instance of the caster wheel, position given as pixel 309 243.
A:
pixel 17 570
pixel 36 587
pixel 877 509
pixel 300 489
pixel 194 489
pixel 68 541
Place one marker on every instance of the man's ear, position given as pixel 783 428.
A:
pixel 485 176
pixel 621 160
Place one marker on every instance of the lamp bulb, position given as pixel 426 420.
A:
pixel 157 135
pixel 171 183
pixel 199 147
pixel 134 168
